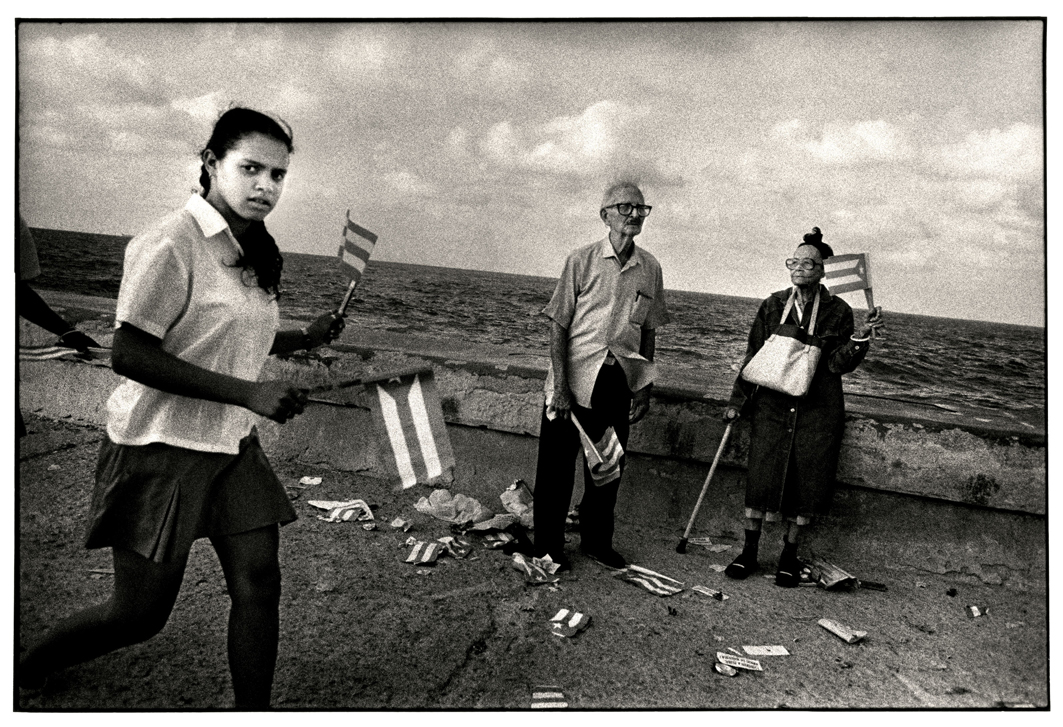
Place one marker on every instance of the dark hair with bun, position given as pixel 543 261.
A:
pixel 261 258
pixel 815 239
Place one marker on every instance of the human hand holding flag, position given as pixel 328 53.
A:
pixel 846 273
pixel 356 247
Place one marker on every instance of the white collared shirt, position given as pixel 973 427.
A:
pixel 605 308
pixel 179 285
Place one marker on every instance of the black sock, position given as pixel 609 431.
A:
pixel 752 543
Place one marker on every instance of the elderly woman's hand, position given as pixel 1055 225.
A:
pixel 873 322
pixel 730 414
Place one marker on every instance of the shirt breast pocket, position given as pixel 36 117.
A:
pixel 640 308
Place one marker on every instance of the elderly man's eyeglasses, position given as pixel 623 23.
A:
pixel 803 263
pixel 641 210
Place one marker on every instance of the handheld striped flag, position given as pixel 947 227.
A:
pixel 603 457
pixel 407 410
pixel 652 581
pixel 355 249
pixel 846 273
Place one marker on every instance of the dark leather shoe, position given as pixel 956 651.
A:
pixel 741 567
pixel 607 557
pixel 789 573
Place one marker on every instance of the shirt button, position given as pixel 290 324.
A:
pixel 792 411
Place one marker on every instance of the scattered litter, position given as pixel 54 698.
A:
pixel 711 593
pixel 423 553
pixel 734 651
pixel 494 541
pixel 707 543
pixel 774 650
pixel 102 571
pixel 828 575
pixel 324 587
pixel 458 508
pixel 843 632
pixel 498 522
pixel 533 570
pixel 308 480
pixel 718 567
pixel 975 612
pixel 517 499
pixel 567 624
pixel 53 467
pixel 1015 624
pixel 727 671
pixel 369 526
pixel 398 523
pixel 548 697
pixel 738 662
pixel 920 584
pixel 653 582
pixel 700 541
pixel 342 511
pixel 424 572
pixel 951 593
pixel 456 546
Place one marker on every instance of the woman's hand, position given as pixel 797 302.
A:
pixel 326 328
pixel 873 321
pixel 730 414
pixel 276 400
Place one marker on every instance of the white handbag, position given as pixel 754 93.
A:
pixel 788 359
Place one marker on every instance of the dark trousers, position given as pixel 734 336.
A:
pixel 559 444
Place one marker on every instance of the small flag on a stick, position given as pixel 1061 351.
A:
pixel 846 273
pixel 652 581
pixel 603 457
pixel 407 410
pixel 355 249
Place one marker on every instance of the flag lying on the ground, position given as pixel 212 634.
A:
pixel 342 511
pixel 603 456
pixel 653 582
pixel 407 410
pixel 457 547
pixel 548 697
pixel 423 553
pixel 494 541
pixel 533 571
pixel 844 273
pixel 568 623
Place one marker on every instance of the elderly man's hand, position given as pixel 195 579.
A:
pixel 640 404
pixel 562 401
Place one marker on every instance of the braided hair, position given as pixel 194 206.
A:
pixel 260 257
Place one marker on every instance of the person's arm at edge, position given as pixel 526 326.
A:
pixel 562 399
pixel 640 401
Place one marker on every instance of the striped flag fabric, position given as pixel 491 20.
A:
pixel 845 273
pixel 424 553
pixel 656 583
pixel 407 411
pixel 494 541
pixel 46 353
pixel 342 511
pixel 457 547
pixel 534 573
pixel 603 456
pixel 355 249
pixel 567 624
pixel 548 697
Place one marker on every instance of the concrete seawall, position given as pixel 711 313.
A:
pixel 934 489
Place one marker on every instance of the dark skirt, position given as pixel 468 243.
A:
pixel 157 499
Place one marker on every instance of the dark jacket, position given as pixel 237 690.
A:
pixel 794 443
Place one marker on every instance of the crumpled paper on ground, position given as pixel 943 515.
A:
pixel 518 500
pixel 458 508
pixel 536 570
pixel 342 511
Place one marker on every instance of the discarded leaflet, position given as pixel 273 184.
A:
pixel 707 543
pixel 727 671
pixel 518 500
pixel 567 624
pixel 494 541
pixel 738 662
pixel 342 511
pixel 498 522
pixel 772 650
pixel 976 612
pixel 458 508
pixel 308 480
pixel 843 632
pixel 830 576
pixel 656 583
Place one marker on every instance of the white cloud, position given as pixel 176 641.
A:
pixel 861 142
pixel 202 108
pixel 408 183
pixel 1015 153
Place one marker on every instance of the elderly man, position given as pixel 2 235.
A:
pixel 604 311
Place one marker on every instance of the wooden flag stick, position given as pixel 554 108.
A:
pixel 347 298
pixel 870 297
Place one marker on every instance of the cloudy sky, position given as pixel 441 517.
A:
pixel 487 145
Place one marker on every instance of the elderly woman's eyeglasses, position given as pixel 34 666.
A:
pixel 803 263
pixel 642 210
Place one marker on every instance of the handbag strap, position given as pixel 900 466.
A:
pixel 790 305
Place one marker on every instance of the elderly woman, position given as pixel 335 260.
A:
pixel 794 443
